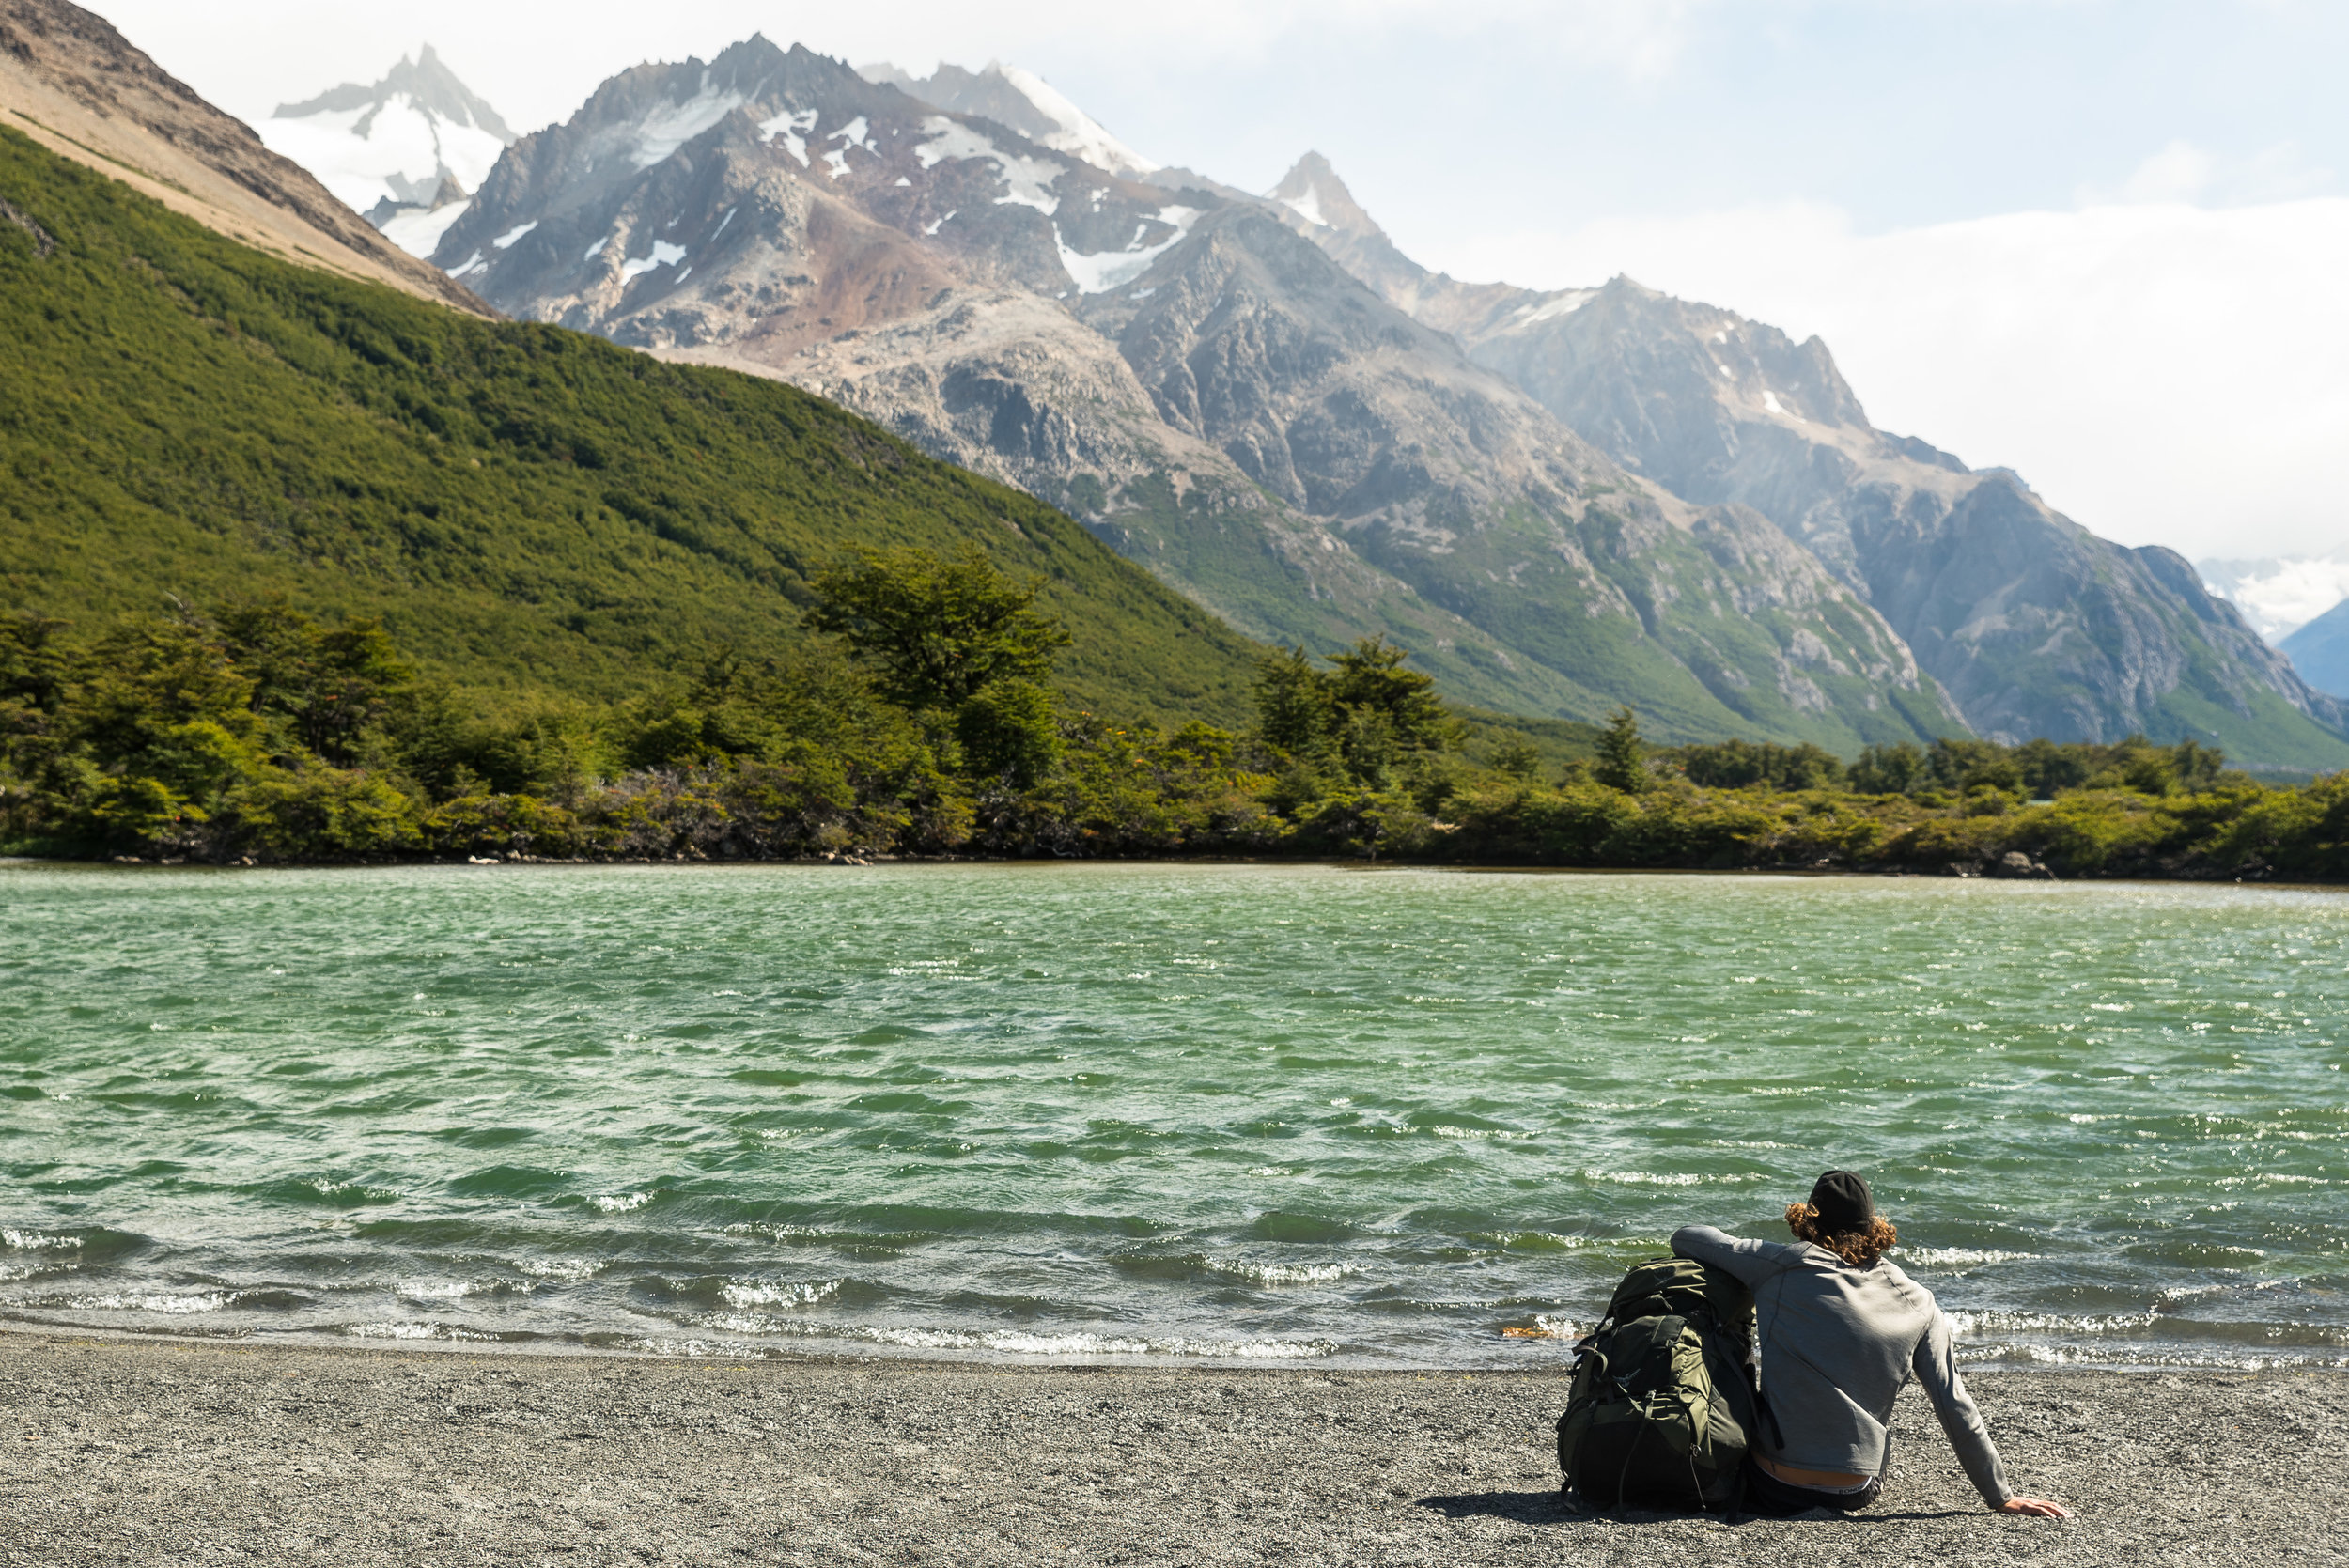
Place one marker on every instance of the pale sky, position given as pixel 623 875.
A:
pixel 2100 241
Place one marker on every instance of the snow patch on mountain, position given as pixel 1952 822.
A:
pixel 395 151
pixel 855 133
pixel 1104 271
pixel 1023 102
pixel 663 254
pixel 1080 134
pixel 793 126
pixel 417 230
pixel 1550 310
pixel 1306 204
pixel 671 126
pixel 1028 181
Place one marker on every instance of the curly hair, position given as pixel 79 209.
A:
pixel 1859 1248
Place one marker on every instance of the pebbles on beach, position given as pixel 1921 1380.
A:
pixel 135 1453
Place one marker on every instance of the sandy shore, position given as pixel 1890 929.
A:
pixel 135 1453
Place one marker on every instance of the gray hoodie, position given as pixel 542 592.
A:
pixel 1837 1345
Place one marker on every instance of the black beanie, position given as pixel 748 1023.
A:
pixel 1844 1203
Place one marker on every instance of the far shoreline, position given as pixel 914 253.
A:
pixel 1503 868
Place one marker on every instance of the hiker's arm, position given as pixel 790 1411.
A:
pixel 1749 1262
pixel 1934 1362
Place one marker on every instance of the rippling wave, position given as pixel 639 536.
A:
pixel 1180 1112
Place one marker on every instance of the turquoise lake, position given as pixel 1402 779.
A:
pixel 1169 1112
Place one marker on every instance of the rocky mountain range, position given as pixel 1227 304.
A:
pixel 1206 389
pixel 2033 625
pixel 1559 501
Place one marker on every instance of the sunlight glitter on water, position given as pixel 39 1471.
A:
pixel 962 1109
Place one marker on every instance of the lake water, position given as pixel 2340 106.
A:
pixel 1160 1111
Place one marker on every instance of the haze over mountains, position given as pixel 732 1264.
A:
pixel 1558 500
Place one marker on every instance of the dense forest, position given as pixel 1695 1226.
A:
pixel 922 717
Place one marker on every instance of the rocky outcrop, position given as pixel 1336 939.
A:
pixel 73 83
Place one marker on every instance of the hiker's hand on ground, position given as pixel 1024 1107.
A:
pixel 2038 1508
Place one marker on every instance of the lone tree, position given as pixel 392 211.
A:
pixel 937 629
pixel 1620 765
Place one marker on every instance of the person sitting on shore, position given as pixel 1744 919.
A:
pixel 1841 1331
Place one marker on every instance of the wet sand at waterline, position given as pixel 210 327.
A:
pixel 131 1452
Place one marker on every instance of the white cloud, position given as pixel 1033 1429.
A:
pixel 2164 373
pixel 2182 171
pixel 2280 597
pixel 2179 172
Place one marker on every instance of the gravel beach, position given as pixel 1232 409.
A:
pixel 128 1451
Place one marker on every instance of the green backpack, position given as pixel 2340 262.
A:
pixel 1661 1403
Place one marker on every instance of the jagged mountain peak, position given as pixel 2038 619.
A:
pixel 1020 100
pixel 406 150
pixel 426 81
pixel 1748 365
pixel 1314 192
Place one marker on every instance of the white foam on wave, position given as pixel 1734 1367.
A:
pixel 1081 1343
pixel 400 1330
pixel 457 1290
pixel 566 1270
pixel 33 1240
pixel 171 1303
pixel 1961 1257
pixel 623 1203
pixel 330 1186
pixel 2138 1356
pixel 1971 1325
pixel 1677 1178
pixel 778 1293
pixel 1283 1273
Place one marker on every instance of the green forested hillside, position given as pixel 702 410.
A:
pixel 525 507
